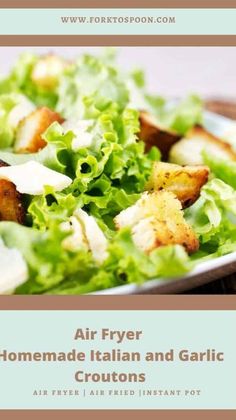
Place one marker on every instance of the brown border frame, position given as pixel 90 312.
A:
pixel 112 303
pixel 118 4
pixel 118 40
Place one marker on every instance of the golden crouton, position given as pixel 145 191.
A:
pixel 184 181
pixel 47 71
pixel 30 129
pixel 11 207
pixel 157 219
pixel 154 135
pixel 188 151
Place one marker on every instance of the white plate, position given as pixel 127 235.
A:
pixel 204 272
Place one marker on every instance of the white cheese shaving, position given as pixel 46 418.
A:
pixel 32 177
pixel 85 234
pixel 77 239
pixel 94 235
pixel 133 214
pixel 14 269
pixel 23 108
pixel 82 138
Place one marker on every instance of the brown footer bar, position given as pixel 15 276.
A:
pixel 138 302
pixel 118 40
pixel 118 414
pixel 116 4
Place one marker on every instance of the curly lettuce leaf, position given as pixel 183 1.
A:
pixel 50 208
pixel 213 218
pixel 109 175
pixel 90 86
pixel 110 179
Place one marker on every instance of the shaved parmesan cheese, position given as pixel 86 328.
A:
pixel 82 137
pixel 82 140
pixel 95 236
pixel 14 269
pixel 144 234
pixel 32 177
pixel 85 234
pixel 20 111
pixel 131 215
pixel 77 239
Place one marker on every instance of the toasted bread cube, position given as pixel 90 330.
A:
pixel 183 181
pixel 188 151
pixel 11 207
pixel 30 129
pixel 156 220
pixel 47 71
pixel 154 135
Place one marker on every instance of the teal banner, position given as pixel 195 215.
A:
pixel 117 21
pixel 117 359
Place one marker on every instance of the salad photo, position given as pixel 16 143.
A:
pixel 105 184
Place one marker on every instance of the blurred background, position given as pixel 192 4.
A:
pixel 171 71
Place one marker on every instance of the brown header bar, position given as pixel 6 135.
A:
pixel 118 414
pixel 138 302
pixel 117 4
pixel 118 40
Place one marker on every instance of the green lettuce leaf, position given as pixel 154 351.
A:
pixel 223 169
pixel 184 115
pixel 179 116
pixel 7 103
pixel 110 178
pixel 56 155
pixel 213 218
pixel 90 87
pixel 19 80
pixel 48 262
